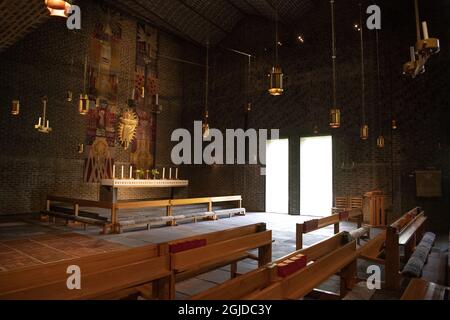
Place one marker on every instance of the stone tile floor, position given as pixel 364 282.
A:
pixel 283 233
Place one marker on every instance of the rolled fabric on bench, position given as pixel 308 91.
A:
pixel 429 238
pixel 413 268
pixel 415 264
pixel 358 233
pixel 291 265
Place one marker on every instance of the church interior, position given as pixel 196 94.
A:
pixel 224 150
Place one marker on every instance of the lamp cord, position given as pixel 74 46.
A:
pixel 378 80
pixel 333 57
pixel 363 80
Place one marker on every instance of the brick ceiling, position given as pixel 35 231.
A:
pixel 197 21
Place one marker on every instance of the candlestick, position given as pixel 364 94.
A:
pixel 114 172
pixel 170 173
pixel 413 53
pixel 122 173
pixel 176 173
pixel 425 30
pixel 133 93
pixel 40 121
pixel 157 99
pixel 48 124
pixel 164 173
pixel 131 172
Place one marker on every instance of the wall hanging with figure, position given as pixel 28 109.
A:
pixel 104 60
pixel 146 95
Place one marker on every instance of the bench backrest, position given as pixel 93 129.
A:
pixel 100 274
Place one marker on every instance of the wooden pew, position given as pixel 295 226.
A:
pixel 210 251
pixel 334 219
pixel 323 259
pixel 419 289
pixel 103 275
pixel 405 231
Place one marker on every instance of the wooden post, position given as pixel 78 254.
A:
pixel 264 255
pixel 114 226
pixel 233 269
pixel 336 228
pixel 299 236
pixel 392 265
pixel 210 206
pixel 348 278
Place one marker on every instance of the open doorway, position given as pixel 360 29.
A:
pixel 277 176
pixel 316 176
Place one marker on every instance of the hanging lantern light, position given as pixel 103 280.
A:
pixel 276 75
pixel 43 124
pixel 69 96
pixel 380 142
pixel 335 118
pixel 205 124
pixel 364 134
pixel 58 8
pixel 83 104
pixel 316 129
pixel 364 131
pixel 205 127
pixel 80 148
pixel 335 112
pixel 276 82
pixel 394 124
pixel 15 109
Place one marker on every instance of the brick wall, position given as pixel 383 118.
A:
pixel 421 105
pixel 33 165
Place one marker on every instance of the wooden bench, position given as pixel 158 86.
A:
pixel 103 275
pixel 199 254
pixel 419 289
pixel 334 219
pixel 320 262
pixel 385 249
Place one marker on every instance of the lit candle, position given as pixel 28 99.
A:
pixel 176 173
pixel 114 172
pixel 40 121
pixel 122 173
pixel 425 30
pixel 48 124
pixel 164 173
pixel 170 173
pixel 413 53
pixel 131 172
pixel 133 93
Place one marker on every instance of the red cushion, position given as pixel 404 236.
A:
pixel 187 245
pixel 289 266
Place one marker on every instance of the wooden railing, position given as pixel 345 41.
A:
pixel 168 204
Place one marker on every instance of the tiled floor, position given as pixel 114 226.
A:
pixel 283 233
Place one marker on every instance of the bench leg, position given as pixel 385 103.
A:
pixel 336 228
pixel 233 268
pixel 348 278
pixel 162 288
pixel 299 236
pixel 264 255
